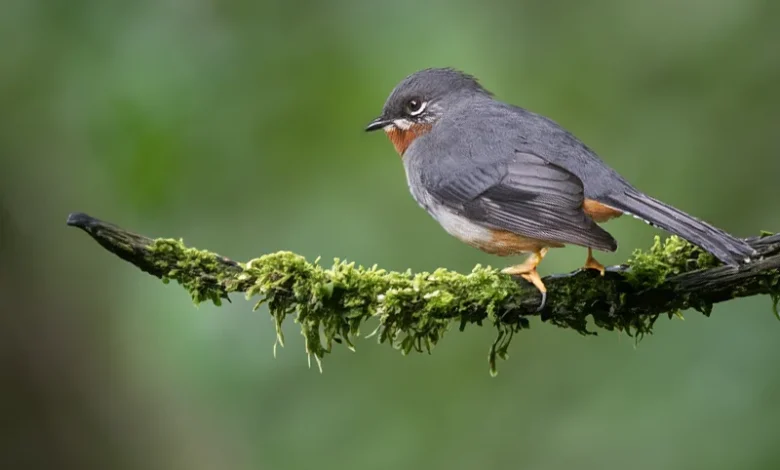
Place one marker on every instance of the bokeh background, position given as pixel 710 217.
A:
pixel 237 125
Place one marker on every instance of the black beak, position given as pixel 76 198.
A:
pixel 377 124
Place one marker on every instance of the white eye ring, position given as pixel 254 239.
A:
pixel 420 110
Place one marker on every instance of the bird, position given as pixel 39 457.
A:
pixel 509 181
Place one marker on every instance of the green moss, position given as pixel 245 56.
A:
pixel 671 257
pixel 591 295
pixel 198 271
pixel 414 311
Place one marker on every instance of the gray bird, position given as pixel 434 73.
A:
pixel 508 181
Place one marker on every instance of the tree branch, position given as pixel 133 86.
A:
pixel 415 310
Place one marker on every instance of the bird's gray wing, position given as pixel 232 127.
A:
pixel 524 194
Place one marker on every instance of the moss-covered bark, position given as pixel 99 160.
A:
pixel 414 310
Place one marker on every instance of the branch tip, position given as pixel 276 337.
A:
pixel 80 220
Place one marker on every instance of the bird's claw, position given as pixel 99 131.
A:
pixel 544 301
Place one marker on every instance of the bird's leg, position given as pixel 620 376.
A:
pixel 527 271
pixel 591 263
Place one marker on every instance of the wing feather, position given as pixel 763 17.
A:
pixel 525 195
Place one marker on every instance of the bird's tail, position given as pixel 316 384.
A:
pixel 723 246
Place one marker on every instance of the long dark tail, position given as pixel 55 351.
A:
pixel 723 246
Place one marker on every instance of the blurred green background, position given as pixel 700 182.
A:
pixel 237 125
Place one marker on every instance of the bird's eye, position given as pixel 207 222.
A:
pixel 415 106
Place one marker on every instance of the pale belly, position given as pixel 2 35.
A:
pixel 493 241
pixel 461 228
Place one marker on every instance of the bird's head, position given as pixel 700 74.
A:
pixel 421 99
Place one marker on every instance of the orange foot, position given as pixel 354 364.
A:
pixel 591 263
pixel 527 271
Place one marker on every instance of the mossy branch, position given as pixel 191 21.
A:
pixel 415 310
